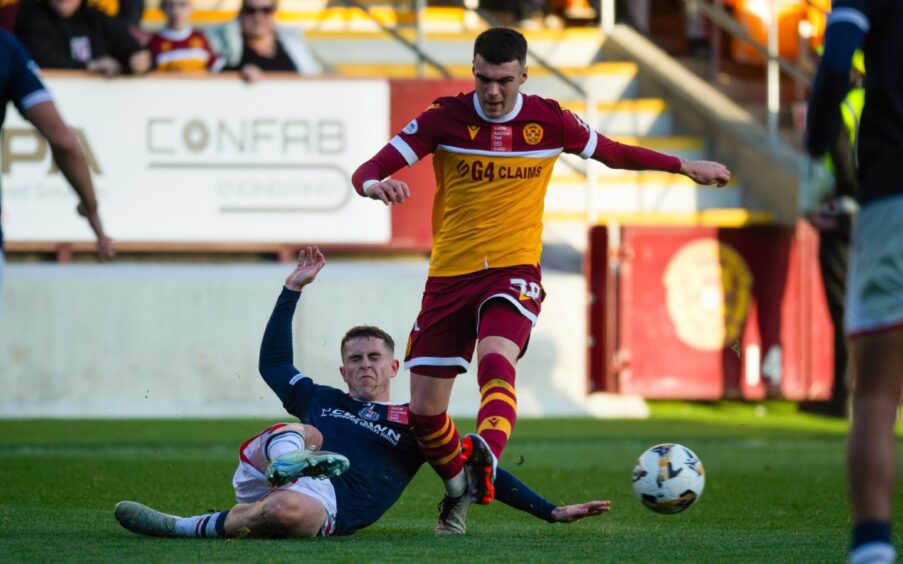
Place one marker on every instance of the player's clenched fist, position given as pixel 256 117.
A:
pixel 706 172
pixel 389 191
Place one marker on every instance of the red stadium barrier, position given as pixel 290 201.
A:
pixel 704 313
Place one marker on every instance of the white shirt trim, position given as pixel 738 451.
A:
pixel 295 379
pixel 849 15
pixel 507 117
pixel 540 154
pixel 173 35
pixel 366 186
pixel 35 98
pixel 183 55
pixel 591 143
pixel 406 151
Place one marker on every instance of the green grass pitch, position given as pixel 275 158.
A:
pixel 775 492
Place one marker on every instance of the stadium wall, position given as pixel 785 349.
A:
pixel 151 340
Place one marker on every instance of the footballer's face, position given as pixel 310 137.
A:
pixel 497 86
pixel 367 367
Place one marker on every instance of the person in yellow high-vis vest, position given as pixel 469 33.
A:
pixel 834 220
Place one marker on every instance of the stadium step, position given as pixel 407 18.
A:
pixel 638 192
pixel 638 117
pixel 561 48
pixel 610 80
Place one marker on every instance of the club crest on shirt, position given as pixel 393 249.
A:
pixel 533 133
pixel 398 414
pixel 368 414
pixel 412 127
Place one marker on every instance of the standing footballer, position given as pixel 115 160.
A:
pixel 493 152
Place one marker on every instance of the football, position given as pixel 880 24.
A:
pixel 668 478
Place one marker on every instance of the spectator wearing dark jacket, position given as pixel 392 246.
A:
pixel 66 34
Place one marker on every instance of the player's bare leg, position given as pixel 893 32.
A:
pixel 283 513
pixel 440 444
pixel 872 448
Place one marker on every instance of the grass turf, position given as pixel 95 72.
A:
pixel 775 492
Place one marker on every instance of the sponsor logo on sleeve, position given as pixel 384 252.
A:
pixel 579 120
pixel 411 128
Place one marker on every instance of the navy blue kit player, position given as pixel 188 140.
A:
pixel 21 85
pixel 345 464
pixel 874 297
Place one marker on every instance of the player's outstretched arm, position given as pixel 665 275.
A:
pixel 71 159
pixel 276 363
pixel 514 493
pixel 707 173
pixel 310 262
pixel 577 511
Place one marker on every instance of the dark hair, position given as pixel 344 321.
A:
pixel 364 332
pixel 500 45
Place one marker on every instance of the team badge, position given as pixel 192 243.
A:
pixel 398 414
pixel 368 413
pixel 412 127
pixel 473 130
pixel 165 46
pixel 532 133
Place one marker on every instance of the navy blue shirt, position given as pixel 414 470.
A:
pixel 876 25
pixel 375 437
pixel 19 82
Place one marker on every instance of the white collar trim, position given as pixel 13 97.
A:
pixel 507 117
pixel 173 35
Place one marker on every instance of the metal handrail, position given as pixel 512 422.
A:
pixel 721 18
pixel 417 49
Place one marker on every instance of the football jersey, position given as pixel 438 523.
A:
pixel 491 177
pixel 183 50
pixel 376 439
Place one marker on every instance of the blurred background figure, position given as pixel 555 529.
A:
pixel 834 221
pixel 8 12
pixel 254 43
pixel 20 84
pixel 67 34
pixel 179 47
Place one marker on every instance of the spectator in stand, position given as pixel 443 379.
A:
pixel 67 34
pixel 128 12
pixel 178 47
pixel 253 43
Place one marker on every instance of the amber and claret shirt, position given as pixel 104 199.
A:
pixel 492 175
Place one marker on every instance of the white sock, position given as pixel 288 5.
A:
pixel 282 443
pixel 873 553
pixel 209 525
pixel 456 486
